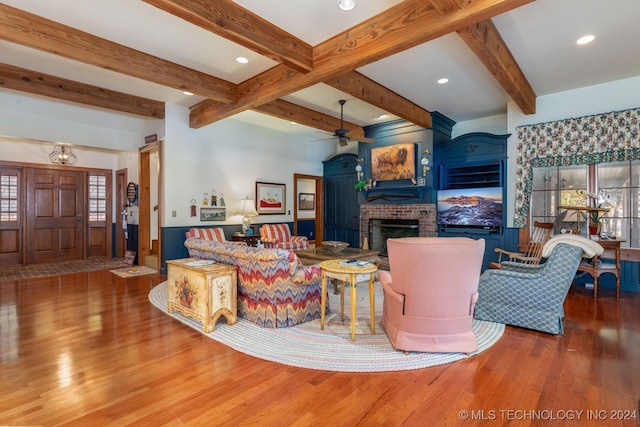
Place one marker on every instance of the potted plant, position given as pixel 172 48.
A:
pixel 599 202
pixel 361 185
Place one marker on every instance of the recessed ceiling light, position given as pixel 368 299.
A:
pixel 346 4
pixel 293 123
pixel 188 93
pixel 242 59
pixel 586 39
pixel 443 80
pixel 380 117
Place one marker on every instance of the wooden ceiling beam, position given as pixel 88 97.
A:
pixel 488 45
pixel 231 21
pixel 449 6
pixel 292 112
pixel 36 32
pixel 409 23
pixel 24 80
pixel 362 87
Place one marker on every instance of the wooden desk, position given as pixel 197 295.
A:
pixel 597 270
pixel 579 209
pixel 249 240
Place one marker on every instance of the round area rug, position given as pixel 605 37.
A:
pixel 331 349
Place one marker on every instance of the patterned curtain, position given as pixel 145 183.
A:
pixel 600 138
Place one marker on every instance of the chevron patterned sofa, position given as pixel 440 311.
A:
pixel 274 289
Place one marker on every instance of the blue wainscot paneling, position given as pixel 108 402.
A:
pixel 629 279
pixel 307 228
pixel 173 240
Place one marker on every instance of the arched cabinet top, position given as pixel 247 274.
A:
pixel 472 147
pixel 341 164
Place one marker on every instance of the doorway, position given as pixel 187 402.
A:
pixel 149 205
pixel 121 188
pixel 55 215
pixel 309 185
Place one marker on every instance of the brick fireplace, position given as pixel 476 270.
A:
pixel 424 213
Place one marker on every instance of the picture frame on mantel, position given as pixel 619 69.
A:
pixel 270 198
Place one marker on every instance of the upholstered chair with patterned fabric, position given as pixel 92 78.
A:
pixel 529 296
pixel 279 236
pixel 430 292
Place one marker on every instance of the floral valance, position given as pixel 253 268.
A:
pixel 585 140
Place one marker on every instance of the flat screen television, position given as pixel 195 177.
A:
pixel 470 207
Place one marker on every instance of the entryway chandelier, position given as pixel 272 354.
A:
pixel 62 155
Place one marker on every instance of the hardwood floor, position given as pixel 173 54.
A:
pixel 89 349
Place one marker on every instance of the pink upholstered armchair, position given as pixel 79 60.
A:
pixel 279 236
pixel 430 293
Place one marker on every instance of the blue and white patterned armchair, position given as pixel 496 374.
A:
pixel 529 296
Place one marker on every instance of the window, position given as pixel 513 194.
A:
pixel 620 181
pixel 97 198
pixel 9 197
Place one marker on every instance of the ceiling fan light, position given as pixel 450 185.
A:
pixel 346 4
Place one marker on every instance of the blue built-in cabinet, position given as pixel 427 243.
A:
pixel 474 163
pixel 341 209
pixel 404 191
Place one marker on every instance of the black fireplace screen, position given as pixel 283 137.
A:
pixel 382 229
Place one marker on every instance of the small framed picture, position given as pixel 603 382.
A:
pixel 306 201
pixel 213 214
pixel 270 198
pixel 421 181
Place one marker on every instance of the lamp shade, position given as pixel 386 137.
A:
pixel 246 207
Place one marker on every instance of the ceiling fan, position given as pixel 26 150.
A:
pixel 342 134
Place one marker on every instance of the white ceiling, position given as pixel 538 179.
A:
pixel 541 35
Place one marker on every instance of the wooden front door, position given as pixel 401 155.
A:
pixel 54 219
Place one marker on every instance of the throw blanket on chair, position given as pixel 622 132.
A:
pixel 589 247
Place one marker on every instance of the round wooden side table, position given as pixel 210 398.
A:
pixel 352 274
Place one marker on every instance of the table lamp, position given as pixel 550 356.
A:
pixel 247 209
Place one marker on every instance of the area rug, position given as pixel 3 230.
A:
pixel 331 349
pixel 134 270
pixel 33 271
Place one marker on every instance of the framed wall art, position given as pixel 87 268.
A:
pixel 270 198
pixel 393 162
pixel 306 201
pixel 213 214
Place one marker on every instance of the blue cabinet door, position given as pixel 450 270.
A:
pixel 342 212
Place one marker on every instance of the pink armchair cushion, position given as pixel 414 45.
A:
pixel 279 236
pixel 430 293
pixel 215 234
